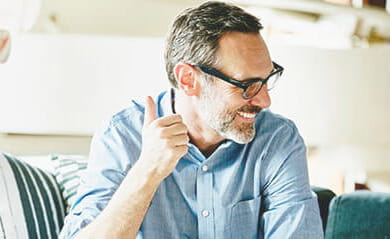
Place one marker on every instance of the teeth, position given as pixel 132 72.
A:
pixel 247 115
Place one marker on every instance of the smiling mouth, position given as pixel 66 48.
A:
pixel 247 115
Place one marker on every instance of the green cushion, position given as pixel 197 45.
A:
pixel 68 169
pixel 31 203
pixel 359 215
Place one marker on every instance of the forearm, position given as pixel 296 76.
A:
pixel 126 210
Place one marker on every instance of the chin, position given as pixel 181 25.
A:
pixel 239 138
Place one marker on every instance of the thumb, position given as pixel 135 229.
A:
pixel 150 111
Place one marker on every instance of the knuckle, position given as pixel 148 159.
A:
pixel 183 150
pixel 176 118
pixel 184 138
pixel 157 123
pixel 183 128
pixel 179 117
pixel 163 131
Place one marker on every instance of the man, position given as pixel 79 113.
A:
pixel 207 159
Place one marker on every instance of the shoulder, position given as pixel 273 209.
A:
pixel 269 124
pixel 282 146
pixel 129 118
pixel 276 138
pixel 132 114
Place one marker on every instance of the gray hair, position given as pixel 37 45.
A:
pixel 195 33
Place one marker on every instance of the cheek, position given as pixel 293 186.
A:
pixel 225 98
pixel 233 98
pixel 226 109
pixel 231 94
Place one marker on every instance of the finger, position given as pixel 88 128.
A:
pixel 179 140
pixel 174 129
pixel 181 150
pixel 150 111
pixel 169 120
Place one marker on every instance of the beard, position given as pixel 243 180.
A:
pixel 222 119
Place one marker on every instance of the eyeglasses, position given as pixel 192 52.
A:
pixel 250 86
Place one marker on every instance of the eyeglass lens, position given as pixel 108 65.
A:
pixel 253 89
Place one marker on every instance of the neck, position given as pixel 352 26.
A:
pixel 200 133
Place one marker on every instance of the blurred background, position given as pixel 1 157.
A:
pixel 69 65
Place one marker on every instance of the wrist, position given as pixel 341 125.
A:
pixel 138 186
pixel 145 173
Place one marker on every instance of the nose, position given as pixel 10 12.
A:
pixel 262 98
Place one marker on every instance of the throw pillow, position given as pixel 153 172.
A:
pixel 31 205
pixel 68 169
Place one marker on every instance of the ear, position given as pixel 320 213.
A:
pixel 187 78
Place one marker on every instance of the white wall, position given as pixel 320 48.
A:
pixel 67 84
pixel 336 96
pixel 114 17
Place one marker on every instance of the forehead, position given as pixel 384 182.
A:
pixel 243 55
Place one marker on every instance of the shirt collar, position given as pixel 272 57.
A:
pixel 166 107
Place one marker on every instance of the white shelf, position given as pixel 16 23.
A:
pixel 318 6
pixel 368 23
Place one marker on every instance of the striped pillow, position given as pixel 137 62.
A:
pixel 31 205
pixel 68 169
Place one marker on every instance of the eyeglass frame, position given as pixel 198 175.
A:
pixel 245 84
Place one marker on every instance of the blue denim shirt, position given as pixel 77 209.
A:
pixel 255 190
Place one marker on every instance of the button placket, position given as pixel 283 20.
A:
pixel 205 202
pixel 205 168
pixel 205 213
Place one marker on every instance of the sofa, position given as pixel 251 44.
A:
pixel 35 199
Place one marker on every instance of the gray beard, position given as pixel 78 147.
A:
pixel 222 121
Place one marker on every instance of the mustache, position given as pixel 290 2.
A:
pixel 250 109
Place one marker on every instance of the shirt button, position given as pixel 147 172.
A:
pixel 205 168
pixel 205 213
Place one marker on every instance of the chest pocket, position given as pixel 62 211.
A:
pixel 244 221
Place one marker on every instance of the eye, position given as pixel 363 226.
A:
pixel 250 80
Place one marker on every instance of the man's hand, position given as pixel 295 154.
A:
pixel 164 141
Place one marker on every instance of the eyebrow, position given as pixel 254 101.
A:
pixel 250 78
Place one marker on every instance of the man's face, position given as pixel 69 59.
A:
pixel 240 56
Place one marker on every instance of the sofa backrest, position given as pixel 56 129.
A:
pixel 31 205
pixel 359 215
